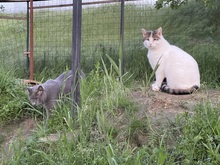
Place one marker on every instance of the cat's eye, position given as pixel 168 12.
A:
pixel 156 39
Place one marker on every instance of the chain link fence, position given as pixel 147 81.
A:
pixel 13 40
pixel 183 27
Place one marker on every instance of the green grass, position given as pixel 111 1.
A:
pixel 13 102
pixel 200 140
pixel 105 128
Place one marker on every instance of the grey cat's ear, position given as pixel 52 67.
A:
pixel 40 90
pixel 29 89
pixel 159 31
pixel 143 31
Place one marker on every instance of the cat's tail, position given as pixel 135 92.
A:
pixel 167 89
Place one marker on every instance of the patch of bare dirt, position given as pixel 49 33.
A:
pixel 160 104
pixel 162 108
pixel 10 132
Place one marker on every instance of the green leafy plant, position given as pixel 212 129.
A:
pixel 13 97
pixel 201 134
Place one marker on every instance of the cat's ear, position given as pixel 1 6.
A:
pixel 143 31
pixel 40 90
pixel 29 89
pixel 159 31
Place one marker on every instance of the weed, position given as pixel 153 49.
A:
pixel 200 139
pixel 13 97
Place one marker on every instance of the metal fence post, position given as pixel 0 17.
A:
pixel 76 50
pixel 121 51
pixel 27 40
pixel 31 41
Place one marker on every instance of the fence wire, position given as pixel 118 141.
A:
pixel 100 35
pixel 13 40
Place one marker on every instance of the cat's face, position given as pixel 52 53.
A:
pixel 36 95
pixel 151 39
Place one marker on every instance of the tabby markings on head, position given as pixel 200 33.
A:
pixel 153 34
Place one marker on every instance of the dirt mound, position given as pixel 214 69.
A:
pixel 162 108
pixel 158 106
pixel 167 105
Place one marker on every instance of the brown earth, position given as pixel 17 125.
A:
pixel 156 105
pixel 9 133
pixel 159 104
pixel 162 108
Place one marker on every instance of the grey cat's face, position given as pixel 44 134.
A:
pixel 151 39
pixel 36 95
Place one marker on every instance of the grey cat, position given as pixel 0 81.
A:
pixel 48 93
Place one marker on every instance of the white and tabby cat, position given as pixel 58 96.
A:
pixel 175 65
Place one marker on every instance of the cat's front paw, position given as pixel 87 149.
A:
pixel 155 87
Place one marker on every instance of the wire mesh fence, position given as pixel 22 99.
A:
pixel 13 40
pixel 52 37
pixel 100 35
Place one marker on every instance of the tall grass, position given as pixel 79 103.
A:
pixel 13 102
pixel 93 125
pixel 199 143
pixel 106 128
pixel 107 132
